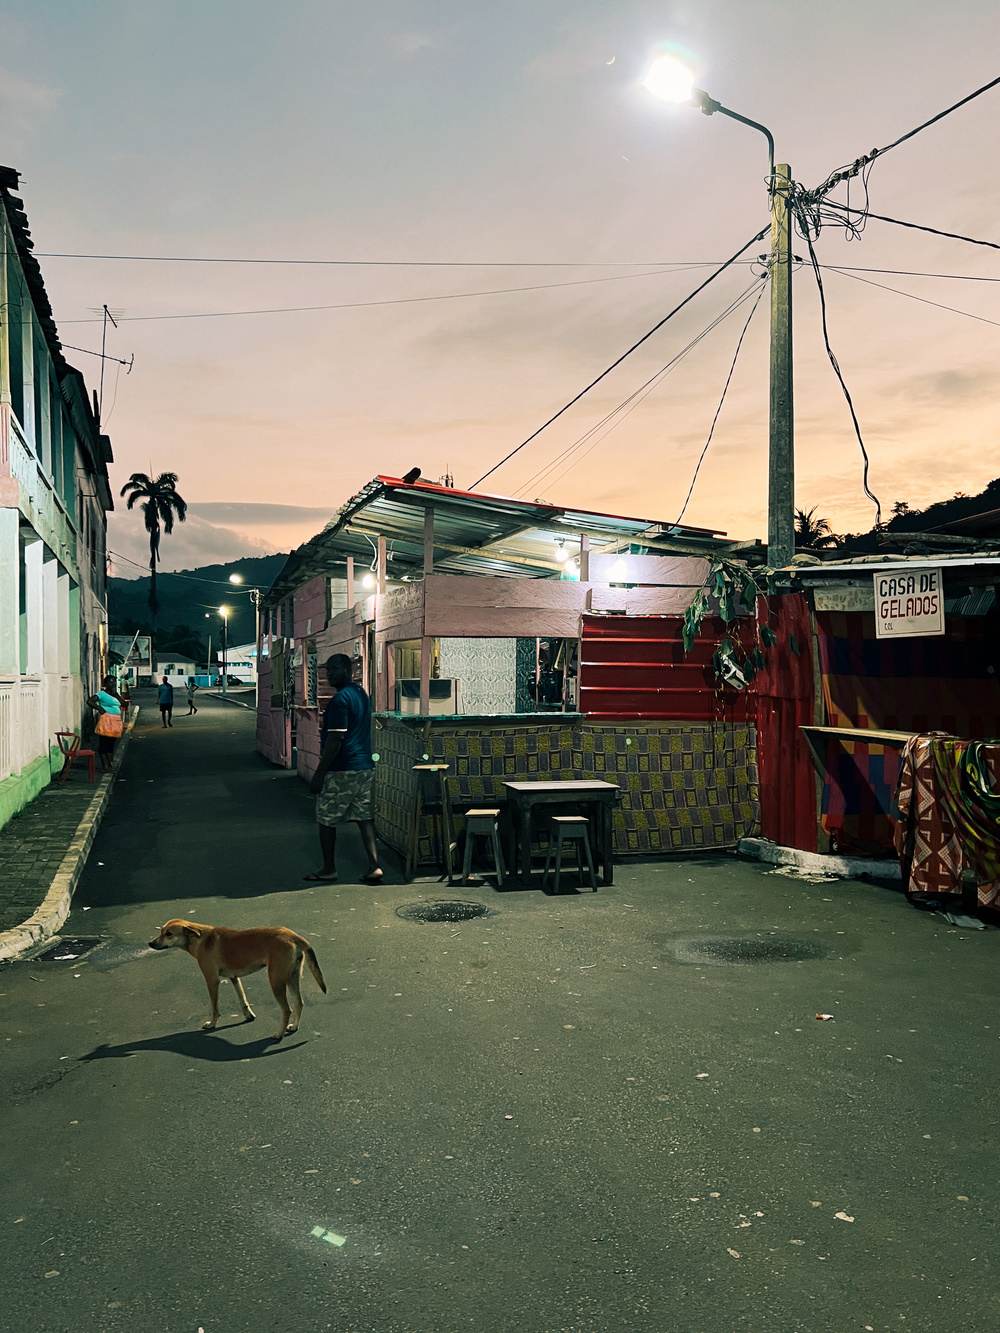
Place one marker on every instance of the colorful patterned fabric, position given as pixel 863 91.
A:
pixel 964 772
pixel 948 816
pixel 930 853
pixel 917 685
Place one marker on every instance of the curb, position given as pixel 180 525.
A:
pixel 58 901
pixel 225 698
pixel 813 863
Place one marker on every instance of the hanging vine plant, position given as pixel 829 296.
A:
pixel 730 591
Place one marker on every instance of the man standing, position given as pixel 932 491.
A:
pixel 165 698
pixel 342 783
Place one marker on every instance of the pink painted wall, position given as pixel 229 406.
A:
pixel 273 740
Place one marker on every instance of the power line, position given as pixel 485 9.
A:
pixel 846 273
pixel 909 272
pixel 192 578
pixel 916 226
pixel 711 278
pixel 725 390
pixel 670 265
pixel 857 167
pixel 378 263
pixel 843 383
pixel 401 300
pixel 626 407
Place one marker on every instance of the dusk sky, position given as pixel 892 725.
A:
pixel 464 147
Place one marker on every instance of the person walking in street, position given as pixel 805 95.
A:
pixel 165 698
pixel 191 687
pixel 108 703
pixel 342 783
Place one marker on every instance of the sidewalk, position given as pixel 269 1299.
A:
pixel 43 851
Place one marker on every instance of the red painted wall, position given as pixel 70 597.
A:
pixel 636 667
pixel 784 691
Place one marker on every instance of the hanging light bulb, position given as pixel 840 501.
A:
pixel 562 555
pixel 368 581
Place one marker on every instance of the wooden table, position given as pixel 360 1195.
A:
pixel 600 796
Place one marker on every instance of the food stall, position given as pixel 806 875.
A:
pixel 513 641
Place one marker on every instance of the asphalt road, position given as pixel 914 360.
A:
pixel 572 1114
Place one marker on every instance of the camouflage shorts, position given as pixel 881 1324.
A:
pixel 346 797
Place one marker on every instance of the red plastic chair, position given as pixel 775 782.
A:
pixel 69 745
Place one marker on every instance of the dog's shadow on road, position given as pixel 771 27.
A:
pixel 193 1046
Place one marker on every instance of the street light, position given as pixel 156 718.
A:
pixel 256 596
pixel 670 80
pixel 224 613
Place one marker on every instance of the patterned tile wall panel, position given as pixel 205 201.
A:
pixel 487 669
pixel 692 787
pixel 398 748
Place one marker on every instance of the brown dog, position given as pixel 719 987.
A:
pixel 221 952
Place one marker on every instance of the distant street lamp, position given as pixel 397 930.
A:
pixel 224 613
pixel 670 80
pixel 256 596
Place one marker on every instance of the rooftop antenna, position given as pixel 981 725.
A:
pixel 106 314
pixel 104 346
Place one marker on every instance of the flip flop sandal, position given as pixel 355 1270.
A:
pixel 316 878
pixel 373 879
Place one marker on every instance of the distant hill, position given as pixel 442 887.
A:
pixel 185 598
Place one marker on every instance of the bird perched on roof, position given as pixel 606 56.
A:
pixel 412 476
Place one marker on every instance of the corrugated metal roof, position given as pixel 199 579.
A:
pixel 474 533
pixel 863 564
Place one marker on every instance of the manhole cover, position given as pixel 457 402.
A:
pixel 446 911
pixel 67 951
pixel 726 950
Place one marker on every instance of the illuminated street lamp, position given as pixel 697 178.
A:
pixel 224 613
pixel 256 596
pixel 670 80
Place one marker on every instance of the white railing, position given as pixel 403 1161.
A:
pixel 33 733
pixel 22 465
pixel 23 724
pixel 8 734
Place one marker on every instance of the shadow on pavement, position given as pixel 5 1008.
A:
pixel 194 1046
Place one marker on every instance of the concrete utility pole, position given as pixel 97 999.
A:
pixel 781 417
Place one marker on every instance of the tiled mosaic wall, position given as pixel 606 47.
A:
pixel 487 670
pixel 690 787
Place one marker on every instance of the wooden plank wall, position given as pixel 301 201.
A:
pixel 458 606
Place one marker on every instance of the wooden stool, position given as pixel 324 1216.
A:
pixel 569 828
pixel 447 823
pixel 482 824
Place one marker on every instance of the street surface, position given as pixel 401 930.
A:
pixel 557 1118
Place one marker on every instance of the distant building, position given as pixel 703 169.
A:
pixel 135 650
pixel 54 499
pixel 241 662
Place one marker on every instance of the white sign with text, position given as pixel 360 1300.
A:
pixel 909 603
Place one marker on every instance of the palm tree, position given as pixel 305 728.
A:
pixel 159 502
pixel 810 531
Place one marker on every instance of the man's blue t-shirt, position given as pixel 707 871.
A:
pixel 349 712
pixel 165 696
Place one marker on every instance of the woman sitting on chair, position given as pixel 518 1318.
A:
pixel 109 722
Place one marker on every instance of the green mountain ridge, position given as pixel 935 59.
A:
pixel 186 597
